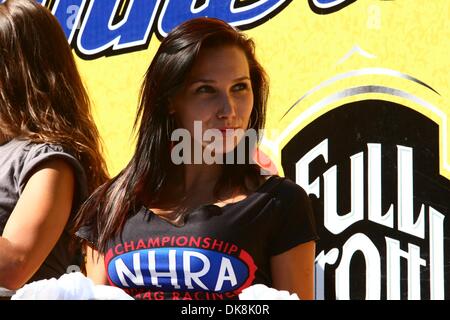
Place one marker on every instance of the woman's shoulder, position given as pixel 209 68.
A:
pixel 28 155
pixel 46 147
pixel 28 147
pixel 33 151
pixel 288 191
pixel 18 152
pixel 282 183
pixel 16 144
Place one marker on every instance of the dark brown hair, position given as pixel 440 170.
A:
pixel 148 173
pixel 42 97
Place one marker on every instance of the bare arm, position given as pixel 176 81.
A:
pixel 36 223
pixel 293 270
pixel 95 265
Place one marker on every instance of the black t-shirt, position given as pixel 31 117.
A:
pixel 217 253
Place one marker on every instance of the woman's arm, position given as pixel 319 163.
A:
pixel 36 223
pixel 293 270
pixel 95 265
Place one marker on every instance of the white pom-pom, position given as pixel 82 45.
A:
pixel 70 286
pixel 102 292
pixel 263 292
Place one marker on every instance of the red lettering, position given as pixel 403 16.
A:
pixel 181 241
pixel 152 243
pixel 147 296
pixel 141 245
pixel 159 295
pixel 164 241
pixel 187 296
pixel 195 242
pixel 116 249
pixel 217 296
pixel 206 243
pixel 175 295
pixel 129 246
pixel 217 245
pixel 198 295
pixel 233 249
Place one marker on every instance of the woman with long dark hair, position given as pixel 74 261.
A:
pixel 50 154
pixel 176 225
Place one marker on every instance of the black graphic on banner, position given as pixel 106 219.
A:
pixel 372 170
pixel 328 6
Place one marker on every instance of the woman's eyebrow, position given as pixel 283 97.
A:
pixel 201 80
pixel 242 79
pixel 213 81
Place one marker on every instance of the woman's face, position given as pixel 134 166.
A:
pixel 218 95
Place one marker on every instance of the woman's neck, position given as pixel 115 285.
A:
pixel 189 186
pixel 200 176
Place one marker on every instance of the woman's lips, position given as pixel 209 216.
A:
pixel 228 128
pixel 228 131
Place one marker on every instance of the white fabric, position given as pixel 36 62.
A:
pixel 263 292
pixel 70 286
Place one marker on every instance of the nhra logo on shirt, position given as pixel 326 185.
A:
pixel 181 268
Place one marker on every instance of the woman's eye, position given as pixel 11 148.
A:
pixel 240 86
pixel 205 89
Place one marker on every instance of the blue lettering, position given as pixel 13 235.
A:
pixel 68 13
pixel 176 12
pixel 98 33
pixel 105 26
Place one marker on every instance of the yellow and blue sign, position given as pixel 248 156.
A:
pixel 358 116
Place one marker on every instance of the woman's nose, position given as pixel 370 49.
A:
pixel 227 107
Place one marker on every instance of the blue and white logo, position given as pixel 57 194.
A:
pixel 181 269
